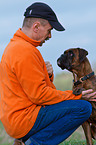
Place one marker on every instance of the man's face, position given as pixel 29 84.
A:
pixel 44 33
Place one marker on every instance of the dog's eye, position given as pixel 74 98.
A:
pixel 70 53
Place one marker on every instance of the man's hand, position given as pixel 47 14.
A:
pixel 49 68
pixel 89 95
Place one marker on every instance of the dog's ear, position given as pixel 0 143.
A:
pixel 82 54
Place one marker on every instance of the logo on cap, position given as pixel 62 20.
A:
pixel 30 12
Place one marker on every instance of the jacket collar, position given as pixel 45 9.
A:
pixel 20 34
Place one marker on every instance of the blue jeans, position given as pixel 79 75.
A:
pixel 57 122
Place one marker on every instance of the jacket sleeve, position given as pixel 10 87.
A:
pixel 30 73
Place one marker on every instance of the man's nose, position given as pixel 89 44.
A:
pixel 50 35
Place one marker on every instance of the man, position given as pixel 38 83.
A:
pixel 31 109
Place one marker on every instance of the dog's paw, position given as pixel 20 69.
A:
pixel 77 91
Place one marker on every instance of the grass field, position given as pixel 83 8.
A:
pixel 63 82
pixel 77 138
pixel 4 138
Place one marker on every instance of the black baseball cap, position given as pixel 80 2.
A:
pixel 42 10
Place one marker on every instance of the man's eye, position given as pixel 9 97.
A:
pixel 49 32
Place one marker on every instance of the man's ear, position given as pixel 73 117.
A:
pixel 82 54
pixel 36 26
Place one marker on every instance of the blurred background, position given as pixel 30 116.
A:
pixel 79 19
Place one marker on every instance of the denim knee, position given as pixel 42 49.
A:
pixel 87 108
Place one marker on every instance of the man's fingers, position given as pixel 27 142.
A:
pixel 49 67
pixel 87 92
pixel 47 62
pixel 92 100
pixel 90 96
pixel 93 95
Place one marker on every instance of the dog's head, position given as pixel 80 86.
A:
pixel 71 58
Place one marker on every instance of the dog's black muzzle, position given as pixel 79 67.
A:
pixel 63 63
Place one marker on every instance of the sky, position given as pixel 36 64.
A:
pixel 77 16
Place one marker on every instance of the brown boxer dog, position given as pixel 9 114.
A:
pixel 75 61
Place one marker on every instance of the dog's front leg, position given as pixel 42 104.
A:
pixel 87 131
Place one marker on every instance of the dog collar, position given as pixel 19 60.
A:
pixel 83 79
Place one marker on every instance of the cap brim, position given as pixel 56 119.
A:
pixel 56 25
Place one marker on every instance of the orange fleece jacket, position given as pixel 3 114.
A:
pixel 25 85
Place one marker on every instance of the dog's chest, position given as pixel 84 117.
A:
pixel 90 84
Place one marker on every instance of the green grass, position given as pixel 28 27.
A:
pixel 77 138
pixel 4 138
pixel 63 81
